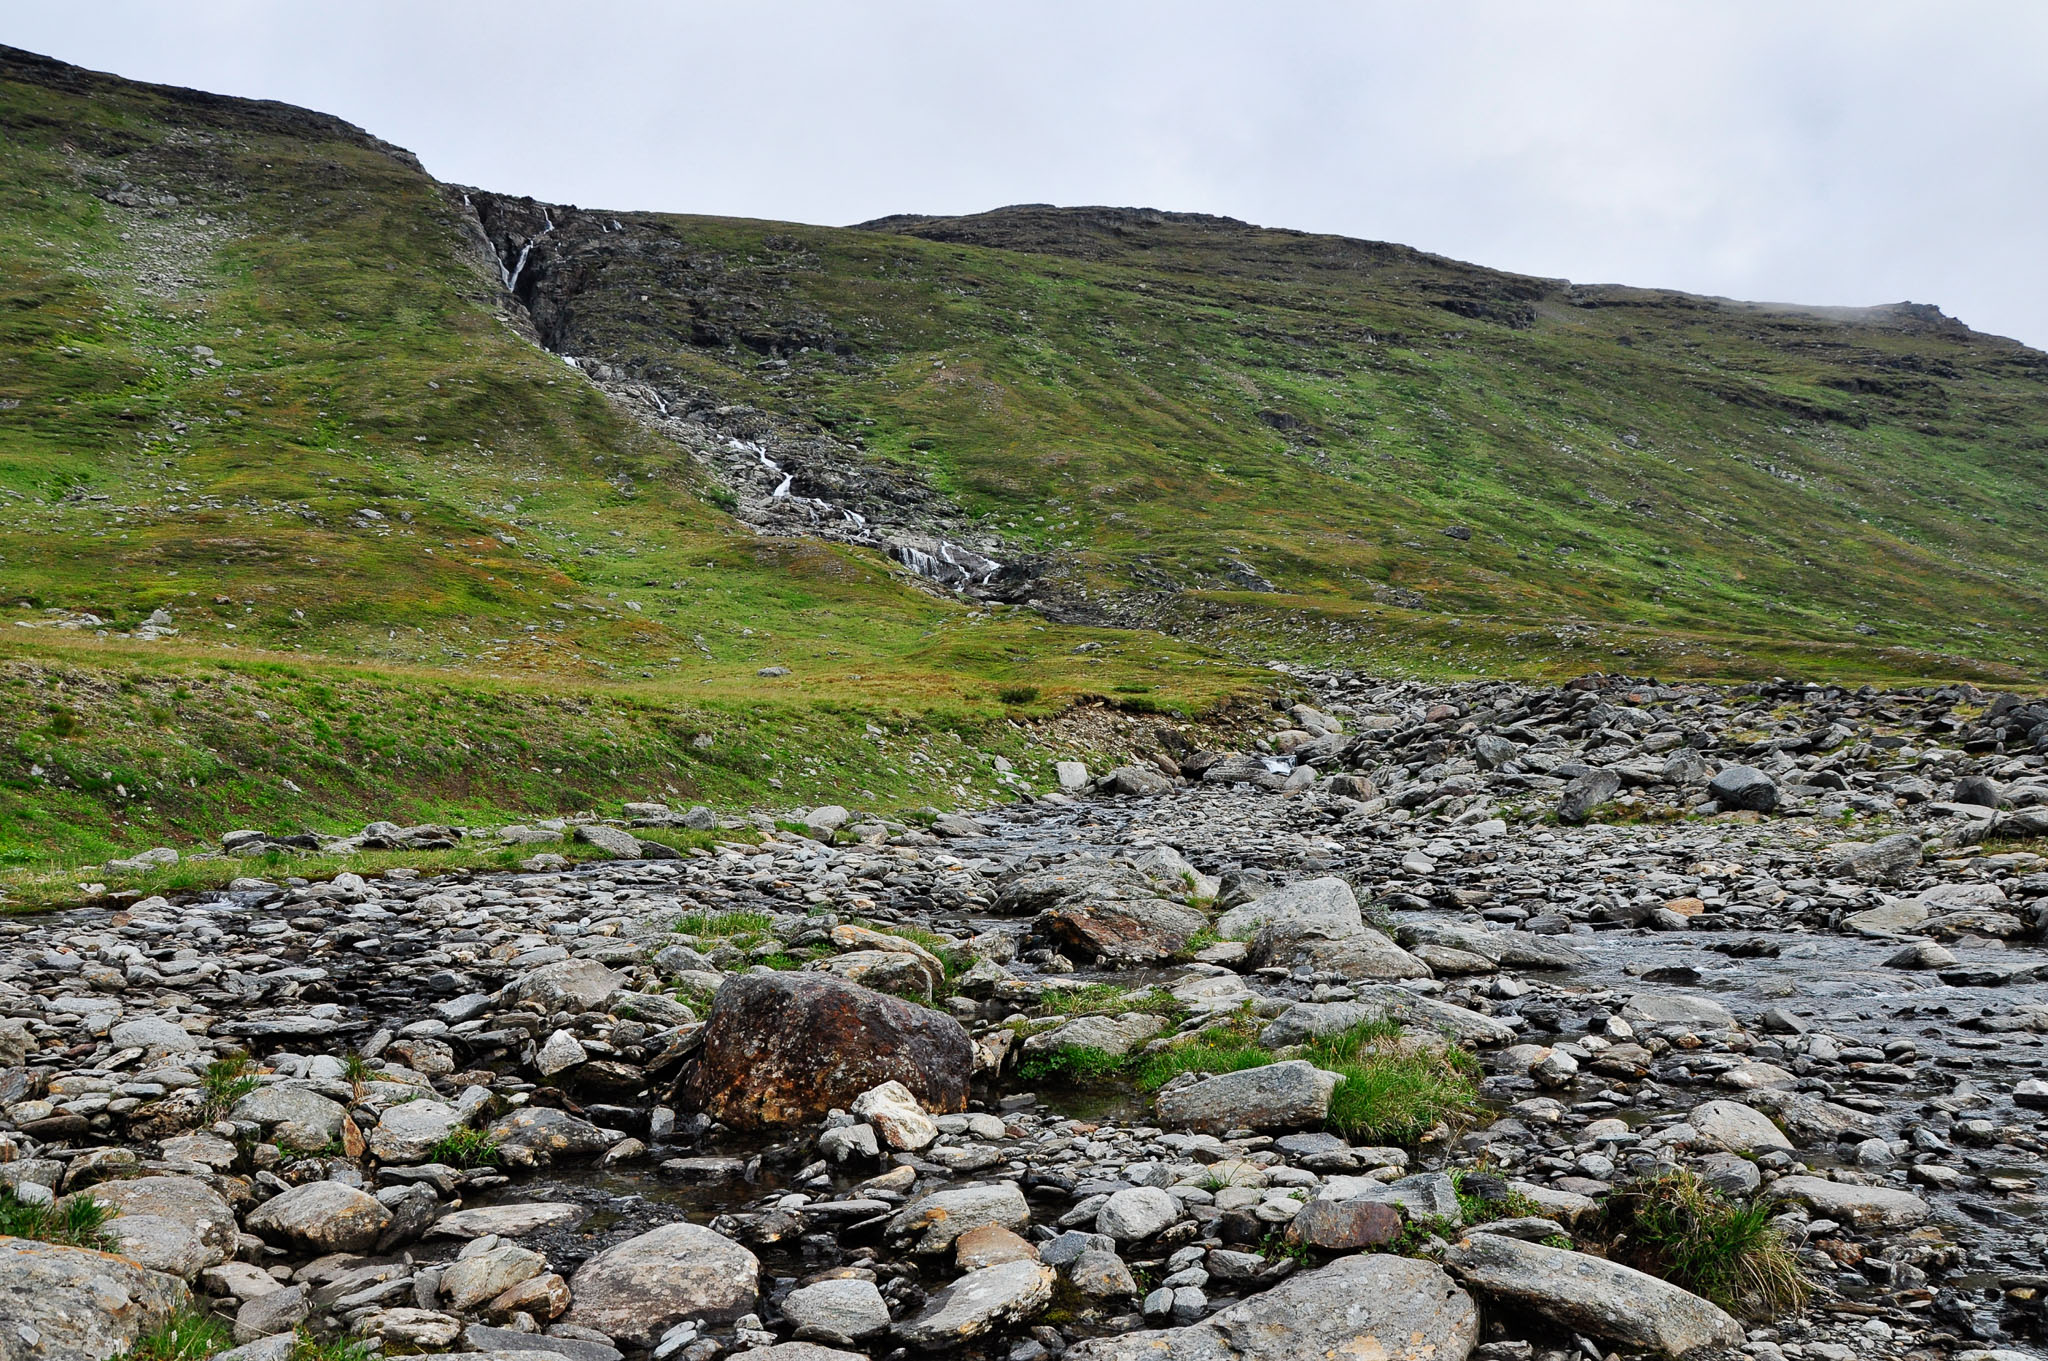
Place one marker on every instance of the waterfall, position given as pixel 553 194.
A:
pixel 519 265
pixel 781 492
pixel 952 565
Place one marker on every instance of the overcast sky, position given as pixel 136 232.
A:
pixel 1848 153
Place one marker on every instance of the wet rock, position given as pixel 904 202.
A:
pixel 1122 931
pixel 896 1116
pixel 1135 781
pixel 536 1136
pixel 847 1307
pixel 1136 1212
pixel 479 1276
pixel 510 1220
pixel 1373 1305
pixel 1327 904
pixel 293 1116
pixel 408 1132
pixel 1600 1298
pixel 1344 1225
pixel 1881 862
pixel 323 1216
pixel 1110 1034
pixel 69 1304
pixel 1279 1096
pixel 1585 793
pixel 781 1048
pixel 567 985
pixel 1867 1207
pixel 1737 1128
pixel 1745 788
pixel 637 1290
pixel 979 1301
pixel 934 1222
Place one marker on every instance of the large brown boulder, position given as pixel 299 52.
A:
pixel 784 1048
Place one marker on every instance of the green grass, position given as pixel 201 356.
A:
pixel 309 1346
pixel 1677 1227
pixel 1076 1063
pixel 1215 1049
pixel 1109 999
pixel 1393 1091
pixel 739 928
pixel 225 1081
pixel 75 1221
pixel 465 1148
pixel 188 1335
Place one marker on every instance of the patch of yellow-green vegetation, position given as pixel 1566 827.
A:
pixel 465 1148
pixel 737 927
pixel 1079 1063
pixel 1394 1088
pixel 225 1081
pixel 100 760
pixel 1225 1047
pixel 187 1335
pixel 1109 999
pixel 1678 1227
pixel 76 1221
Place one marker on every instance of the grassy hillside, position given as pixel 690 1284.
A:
pixel 1178 413
pixel 257 371
pixel 299 525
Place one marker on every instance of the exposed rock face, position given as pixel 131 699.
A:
pixel 779 1048
pixel 636 1291
pixel 1377 1306
pixel 1600 1298
pixel 68 1304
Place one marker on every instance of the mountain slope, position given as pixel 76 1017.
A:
pixel 259 373
pixel 1210 426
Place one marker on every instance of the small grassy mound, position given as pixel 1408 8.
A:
pixel 187 1335
pixel 78 1222
pixel 1394 1090
pixel 1677 1227
pixel 1109 999
pixel 741 928
pixel 1217 1049
pixel 1072 1063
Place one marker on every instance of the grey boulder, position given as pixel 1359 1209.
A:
pixel 1279 1096
pixel 69 1304
pixel 1744 788
pixel 1374 1305
pixel 637 1290
pixel 1597 1297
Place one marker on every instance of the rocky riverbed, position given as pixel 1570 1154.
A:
pixel 772 1099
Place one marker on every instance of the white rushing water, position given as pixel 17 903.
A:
pixel 952 564
pixel 511 275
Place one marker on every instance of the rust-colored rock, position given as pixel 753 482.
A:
pixel 786 1048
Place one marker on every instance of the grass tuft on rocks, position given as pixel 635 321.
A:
pixel 1394 1089
pixel 466 1148
pixel 1110 999
pixel 1225 1048
pixel 76 1222
pixel 187 1335
pixel 1078 1063
pixel 226 1080
pixel 1677 1227
pixel 739 927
